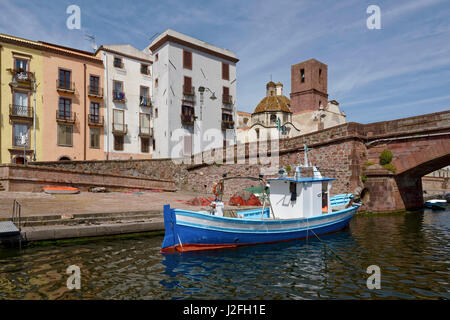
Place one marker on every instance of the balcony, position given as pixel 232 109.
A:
pixel 65 86
pixel 95 92
pixel 188 91
pixel 227 124
pixel 119 129
pixel 187 119
pixel 144 101
pixel 23 78
pixel 65 116
pixel 118 96
pixel 20 112
pixel 96 120
pixel 227 99
pixel 145 132
pixel 18 143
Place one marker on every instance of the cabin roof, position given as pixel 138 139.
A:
pixel 305 179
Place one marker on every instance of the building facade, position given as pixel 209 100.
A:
pixel 73 121
pixel 21 100
pixel 194 91
pixel 128 130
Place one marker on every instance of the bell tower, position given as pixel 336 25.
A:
pixel 309 86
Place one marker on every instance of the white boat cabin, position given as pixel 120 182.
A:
pixel 305 195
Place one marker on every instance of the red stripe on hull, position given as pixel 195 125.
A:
pixel 198 247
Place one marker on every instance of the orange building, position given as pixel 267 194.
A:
pixel 72 128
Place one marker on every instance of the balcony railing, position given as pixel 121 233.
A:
pixel 65 116
pixel 187 119
pixel 66 86
pixel 145 131
pixel 188 91
pixel 144 101
pixel 22 76
pixel 96 92
pixel 118 96
pixel 95 120
pixel 227 124
pixel 119 128
pixel 18 111
pixel 227 99
pixel 17 142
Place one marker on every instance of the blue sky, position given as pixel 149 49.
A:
pixel 399 71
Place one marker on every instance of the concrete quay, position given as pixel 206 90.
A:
pixel 56 217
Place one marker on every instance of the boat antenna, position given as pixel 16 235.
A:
pixel 305 147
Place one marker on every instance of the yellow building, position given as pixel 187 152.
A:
pixel 21 99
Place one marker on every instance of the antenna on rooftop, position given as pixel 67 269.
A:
pixel 155 35
pixel 91 38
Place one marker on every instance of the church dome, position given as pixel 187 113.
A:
pixel 274 103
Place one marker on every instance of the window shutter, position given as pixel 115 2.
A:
pixel 187 59
pixel 225 71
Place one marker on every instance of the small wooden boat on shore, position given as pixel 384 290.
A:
pixel 61 190
pixel 298 207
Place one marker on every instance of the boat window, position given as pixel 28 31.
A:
pixel 293 190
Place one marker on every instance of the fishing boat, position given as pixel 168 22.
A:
pixel 296 207
pixel 436 204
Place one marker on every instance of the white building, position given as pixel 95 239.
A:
pixel 194 94
pixel 128 108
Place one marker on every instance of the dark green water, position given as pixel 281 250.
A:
pixel 411 250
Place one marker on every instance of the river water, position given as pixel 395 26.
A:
pixel 411 250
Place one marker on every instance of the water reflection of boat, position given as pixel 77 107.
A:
pixel 298 207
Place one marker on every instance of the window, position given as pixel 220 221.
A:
pixel 145 145
pixel 118 93
pixel 119 120
pixel 118 143
pixel 65 135
pixel 320 75
pixel 19 130
pixel 144 122
pixel 156 112
pixel 64 79
pixel 144 97
pixel 94 84
pixel 156 57
pixel 273 118
pixel 118 62
pixel 20 64
pixel 187 87
pixel 94 139
pixel 226 95
pixel 187 144
pixel 64 108
pixel 156 83
pixel 302 74
pixel 94 115
pixel 20 106
pixel 225 71
pixel 145 69
pixel 154 144
pixel 187 59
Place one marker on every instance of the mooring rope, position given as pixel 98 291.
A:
pixel 337 256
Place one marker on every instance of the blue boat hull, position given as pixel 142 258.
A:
pixel 189 230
